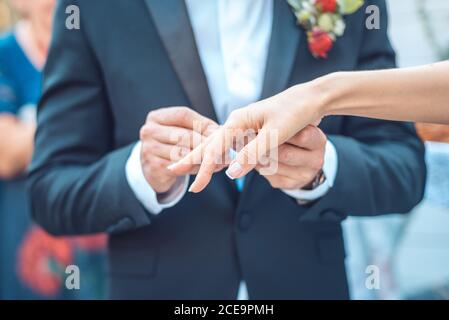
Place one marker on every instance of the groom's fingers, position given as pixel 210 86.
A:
pixel 195 157
pixel 186 164
pixel 182 117
pixel 309 138
pixel 214 154
pixel 169 152
pixel 171 135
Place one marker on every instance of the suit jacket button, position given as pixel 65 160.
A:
pixel 245 221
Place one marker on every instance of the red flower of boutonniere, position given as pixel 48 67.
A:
pixel 323 21
pixel 327 5
pixel 320 43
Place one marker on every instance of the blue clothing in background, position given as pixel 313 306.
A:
pixel 20 85
pixel 20 81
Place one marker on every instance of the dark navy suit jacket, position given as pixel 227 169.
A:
pixel 131 57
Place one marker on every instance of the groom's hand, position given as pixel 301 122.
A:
pixel 168 135
pixel 299 160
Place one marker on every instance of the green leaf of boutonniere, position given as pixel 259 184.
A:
pixel 350 6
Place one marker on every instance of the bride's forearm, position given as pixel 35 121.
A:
pixel 418 94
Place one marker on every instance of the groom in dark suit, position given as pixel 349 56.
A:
pixel 266 237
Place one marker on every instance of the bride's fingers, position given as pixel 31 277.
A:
pixel 209 155
pixel 189 162
pixel 214 157
pixel 248 158
pixel 317 122
pixel 202 179
pixel 211 152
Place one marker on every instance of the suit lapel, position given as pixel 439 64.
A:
pixel 286 36
pixel 174 27
pixel 285 39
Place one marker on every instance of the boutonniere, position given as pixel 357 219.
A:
pixel 323 21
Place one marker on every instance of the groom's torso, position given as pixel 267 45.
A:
pixel 205 245
pixel 147 52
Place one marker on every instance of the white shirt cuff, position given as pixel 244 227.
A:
pixel 330 168
pixel 151 201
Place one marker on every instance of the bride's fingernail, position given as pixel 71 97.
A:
pixel 234 171
pixel 192 187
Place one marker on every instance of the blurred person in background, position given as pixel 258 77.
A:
pixel 32 263
pixel 5 16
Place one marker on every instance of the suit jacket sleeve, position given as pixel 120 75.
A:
pixel 77 180
pixel 381 163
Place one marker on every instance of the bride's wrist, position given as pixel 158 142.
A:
pixel 315 99
pixel 329 92
pixel 320 94
pixel 340 93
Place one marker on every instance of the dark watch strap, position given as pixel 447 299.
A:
pixel 318 181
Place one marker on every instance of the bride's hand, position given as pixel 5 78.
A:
pixel 274 120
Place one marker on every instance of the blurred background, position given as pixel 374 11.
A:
pixel 411 251
pixel 33 264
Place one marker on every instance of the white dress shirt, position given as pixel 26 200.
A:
pixel 233 38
